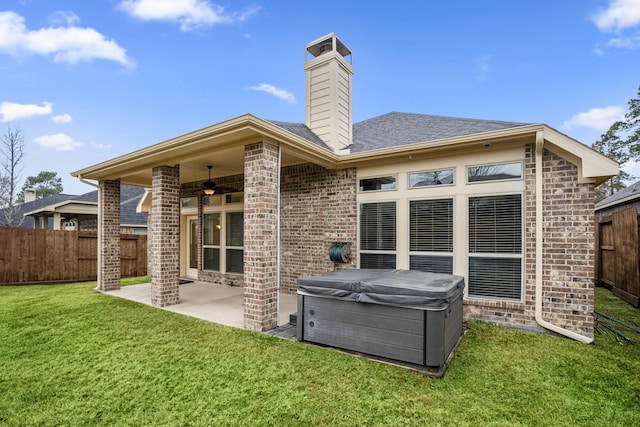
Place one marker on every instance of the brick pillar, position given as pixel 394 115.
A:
pixel 260 241
pixel 108 235
pixel 165 241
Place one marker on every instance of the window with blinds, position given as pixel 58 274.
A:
pixel 431 235
pixel 495 247
pixel 378 235
pixel 234 239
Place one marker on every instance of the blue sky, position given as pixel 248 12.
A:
pixel 90 80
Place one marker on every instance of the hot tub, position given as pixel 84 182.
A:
pixel 404 315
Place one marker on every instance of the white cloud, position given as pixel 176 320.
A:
pixel 190 14
pixel 620 14
pixel 596 118
pixel 277 92
pixel 98 146
pixel 64 18
pixel 59 142
pixel 65 43
pixel 632 42
pixel 11 111
pixel 63 118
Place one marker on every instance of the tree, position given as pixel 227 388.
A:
pixel 11 156
pixel 45 184
pixel 621 143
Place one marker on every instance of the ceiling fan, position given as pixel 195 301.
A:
pixel 209 187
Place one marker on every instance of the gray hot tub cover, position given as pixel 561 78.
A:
pixel 392 287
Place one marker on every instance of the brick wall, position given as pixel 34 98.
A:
pixel 164 244
pixel 109 227
pixel 568 252
pixel 318 207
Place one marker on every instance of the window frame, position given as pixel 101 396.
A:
pixel 223 209
pixel 394 251
pixel 497 255
pixel 395 188
pixel 520 178
pixel 433 254
pixel 450 184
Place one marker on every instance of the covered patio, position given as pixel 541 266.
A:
pixel 213 303
pixel 232 238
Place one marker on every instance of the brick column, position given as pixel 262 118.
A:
pixel 165 241
pixel 260 241
pixel 108 235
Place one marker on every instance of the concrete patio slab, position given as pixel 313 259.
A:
pixel 208 301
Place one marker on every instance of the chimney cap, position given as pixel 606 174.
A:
pixel 319 46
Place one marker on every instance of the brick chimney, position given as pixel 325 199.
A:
pixel 328 91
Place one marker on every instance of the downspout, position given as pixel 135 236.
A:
pixel 278 239
pixel 99 232
pixel 539 246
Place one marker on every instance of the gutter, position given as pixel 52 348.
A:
pixel 85 181
pixel 539 257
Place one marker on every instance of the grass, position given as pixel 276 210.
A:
pixel 71 356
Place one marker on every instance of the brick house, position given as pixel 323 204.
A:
pixel 509 206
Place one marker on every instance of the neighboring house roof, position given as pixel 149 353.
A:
pixel 22 208
pixel 626 195
pixel 87 204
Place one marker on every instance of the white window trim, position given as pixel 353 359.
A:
pixel 222 209
pixel 493 181
pixel 408 228
pixel 383 252
pixel 422 187
pixel 395 175
pixel 521 255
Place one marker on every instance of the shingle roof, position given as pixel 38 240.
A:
pixel 129 197
pixel 396 129
pixel 303 131
pixel 22 208
pixel 629 193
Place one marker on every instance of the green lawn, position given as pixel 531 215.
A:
pixel 72 356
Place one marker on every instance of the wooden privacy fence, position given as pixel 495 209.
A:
pixel 618 253
pixel 54 256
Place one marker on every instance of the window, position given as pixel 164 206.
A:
pixel 223 233
pixel 211 241
pixel 431 235
pixel 431 178
pixel 377 184
pixel 494 172
pixel 189 202
pixel 235 233
pixel 378 235
pixel 495 247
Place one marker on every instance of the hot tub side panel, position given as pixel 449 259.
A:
pixel 385 331
pixel 442 332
